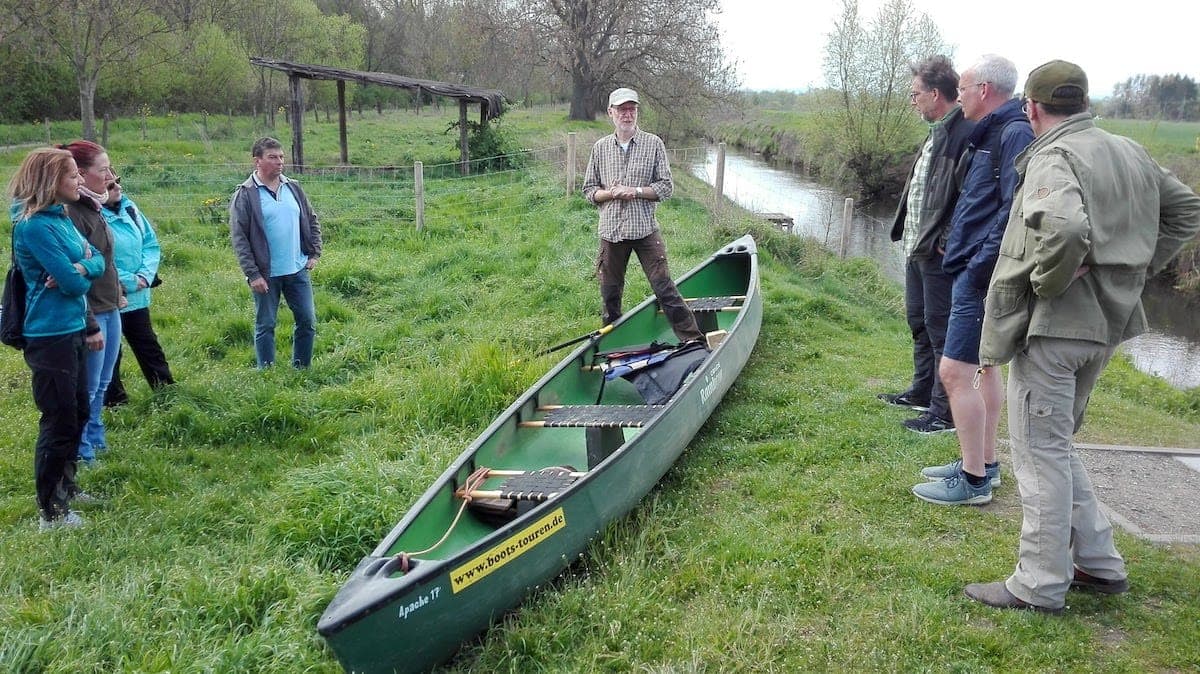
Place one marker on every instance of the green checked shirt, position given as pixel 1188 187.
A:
pixel 916 195
pixel 643 164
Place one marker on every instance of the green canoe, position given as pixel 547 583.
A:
pixel 573 453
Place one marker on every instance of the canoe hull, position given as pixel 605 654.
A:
pixel 385 621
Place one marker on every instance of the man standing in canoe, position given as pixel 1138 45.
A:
pixel 1093 217
pixel 627 175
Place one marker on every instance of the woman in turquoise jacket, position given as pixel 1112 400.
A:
pixel 136 257
pixel 59 266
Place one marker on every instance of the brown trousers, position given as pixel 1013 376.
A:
pixel 652 253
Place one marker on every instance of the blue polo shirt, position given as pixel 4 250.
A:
pixel 281 220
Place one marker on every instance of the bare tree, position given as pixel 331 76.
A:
pixel 668 49
pixel 95 36
pixel 868 66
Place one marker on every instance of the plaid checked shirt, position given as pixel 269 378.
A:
pixel 916 195
pixel 644 164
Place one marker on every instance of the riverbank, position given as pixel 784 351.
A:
pixel 806 141
pixel 784 539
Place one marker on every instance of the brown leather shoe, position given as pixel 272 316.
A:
pixel 997 595
pixel 1086 581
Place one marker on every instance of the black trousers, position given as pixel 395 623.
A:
pixel 652 253
pixel 60 391
pixel 927 308
pixel 139 333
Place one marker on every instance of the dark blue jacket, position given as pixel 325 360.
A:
pixel 983 205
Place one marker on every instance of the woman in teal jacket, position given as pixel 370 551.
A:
pixel 59 266
pixel 136 257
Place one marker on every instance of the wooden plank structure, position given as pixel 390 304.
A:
pixel 491 101
pixel 784 220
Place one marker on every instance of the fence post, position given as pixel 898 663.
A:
pixel 571 163
pixel 847 223
pixel 47 125
pixel 719 183
pixel 419 188
pixel 104 131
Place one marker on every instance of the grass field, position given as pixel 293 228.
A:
pixel 785 539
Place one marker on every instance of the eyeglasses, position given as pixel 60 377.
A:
pixel 912 95
pixel 962 89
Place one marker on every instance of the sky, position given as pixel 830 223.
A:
pixel 780 44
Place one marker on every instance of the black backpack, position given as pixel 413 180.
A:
pixel 12 306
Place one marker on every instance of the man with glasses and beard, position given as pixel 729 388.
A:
pixel 627 175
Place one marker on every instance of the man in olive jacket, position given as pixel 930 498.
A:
pixel 1093 217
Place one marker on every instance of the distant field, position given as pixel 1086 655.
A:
pixel 1171 137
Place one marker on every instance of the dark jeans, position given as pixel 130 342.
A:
pixel 652 253
pixel 927 307
pixel 60 390
pixel 296 290
pixel 139 333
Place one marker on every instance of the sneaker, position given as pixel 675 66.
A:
pixel 933 473
pixel 954 490
pixel 903 400
pixel 72 520
pixel 929 424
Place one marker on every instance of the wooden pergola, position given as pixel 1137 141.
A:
pixel 490 101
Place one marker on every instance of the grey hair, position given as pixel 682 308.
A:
pixel 999 71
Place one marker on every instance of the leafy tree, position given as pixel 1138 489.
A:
pixel 95 37
pixel 1172 97
pixel 669 50
pixel 868 65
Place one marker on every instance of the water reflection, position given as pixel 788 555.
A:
pixel 1171 350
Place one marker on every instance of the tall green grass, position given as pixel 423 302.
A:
pixel 785 539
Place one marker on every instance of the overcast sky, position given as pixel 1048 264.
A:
pixel 780 44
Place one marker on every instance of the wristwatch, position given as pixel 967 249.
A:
pixel 639 191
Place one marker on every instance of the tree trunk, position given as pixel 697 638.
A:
pixel 583 103
pixel 87 106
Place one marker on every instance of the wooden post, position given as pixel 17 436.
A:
pixel 419 189
pixel 341 88
pixel 847 223
pixel 104 130
pixel 463 150
pixel 571 163
pixel 47 125
pixel 719 183
pixel 297 115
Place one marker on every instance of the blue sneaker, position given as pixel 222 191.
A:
pixel 933 473
pixel 954 490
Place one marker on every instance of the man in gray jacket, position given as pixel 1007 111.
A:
pixel 922 222
pixel 277 240
pixel 1093 217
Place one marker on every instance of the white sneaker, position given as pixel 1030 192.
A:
pixel 72 520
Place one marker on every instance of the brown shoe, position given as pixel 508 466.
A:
pixel 998 596
pixel 1086 581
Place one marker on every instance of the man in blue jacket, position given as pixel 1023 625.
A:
pixel 976 395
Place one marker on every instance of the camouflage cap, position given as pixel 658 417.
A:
pixel 1057 83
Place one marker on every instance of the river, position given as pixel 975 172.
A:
pixel 1170 350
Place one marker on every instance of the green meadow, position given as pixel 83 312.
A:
pixel 784 539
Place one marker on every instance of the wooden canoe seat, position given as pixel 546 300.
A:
pixel 701 305
pixel 536 485
pixel 594 416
